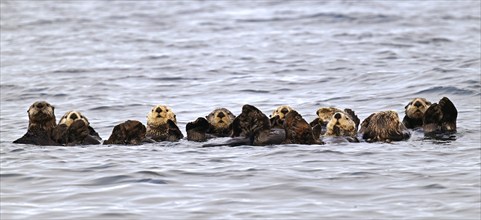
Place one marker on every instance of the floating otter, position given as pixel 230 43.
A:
pixel 324 115
pixel 343 124
pixel 440 119
pixel 297 130
pixel 216 124
pixel 162 124
pixel 74 128
pixel 130 132
pixel 220 120
pixel 41 123
pixel 414 111
pixel 384 126
pixel 197 130
pixel 278 116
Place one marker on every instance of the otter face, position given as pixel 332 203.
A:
pixel 281 111
pixel 41 114
pixel 159 115
pixel 72 116
pixel 220 118
pixel 416 108
pixel 384 126
pixel 341 125
pixel 325 114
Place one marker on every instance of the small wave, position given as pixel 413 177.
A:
pixel 445 90
pixel 254 91
pixel 434 186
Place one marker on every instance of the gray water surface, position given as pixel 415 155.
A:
pixel 115 60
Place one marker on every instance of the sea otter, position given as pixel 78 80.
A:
pixel 278 115
pixel 162 124
pixel 324 115
pixel 130 132
pixel 74 128
pixel 297 130
pixel 343 125
pixel 384 126
pixel 414 112
pixel 216 124
pixel 440 118
pixel 41 122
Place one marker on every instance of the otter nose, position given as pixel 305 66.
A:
pixel 158 110
pixel 417 104
pixel 221 115
pixel 39 105
pixel 284 110
pixel 73 116
pixel 337 116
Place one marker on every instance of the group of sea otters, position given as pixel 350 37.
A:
pixel 251 127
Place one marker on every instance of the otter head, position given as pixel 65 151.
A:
pixel 416 108
pixel 281 111
pixel 341 124
pixel 220 118
pixel 384 126
pixel 41 115
pixel 325 114
pixel 72 116
pixel 159 115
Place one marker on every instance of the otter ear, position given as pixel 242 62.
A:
pixel 428 103
pixel 317 112
pixel 406 107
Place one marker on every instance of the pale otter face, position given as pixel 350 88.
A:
pixel 325 114
pixel 341 125
pixel 159 115
pixel 71 116
pixel 416 108
pixel 281 111
pixel 220 118
pixel 41 113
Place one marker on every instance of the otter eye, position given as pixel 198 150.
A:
pixel 166 110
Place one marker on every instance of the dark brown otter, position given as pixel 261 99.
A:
pixel 40 125
pixel 440 119
pixel 74 129
pixel 130 132
pixel 414 112
pixel 384 126
pixel 161 124
pixel 297 130
pixel 197 130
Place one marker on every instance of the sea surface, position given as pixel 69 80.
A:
pixel 115 60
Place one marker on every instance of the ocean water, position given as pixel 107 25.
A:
pixel 115 60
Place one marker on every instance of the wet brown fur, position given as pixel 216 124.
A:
pixel 130 132
pixel 384 126
pixel 40 125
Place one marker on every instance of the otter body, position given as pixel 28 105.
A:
pixel 414 113
pixel 161 124
pixel 41 123
pixel 130 132
pixel 384 126
pixel 215 124
pixel 74 129
pixel 343 125
pixel 439 119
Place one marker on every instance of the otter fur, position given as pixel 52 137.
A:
pixel 215 124
pixel 324 115
pixel 73 129
pixel 384 126
pixel 278 115
pixel 162 124
pixel 440 119
pixel 343 124
pixel 414 112
pixel 41 123
pixel 130 132
pixel 297 130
